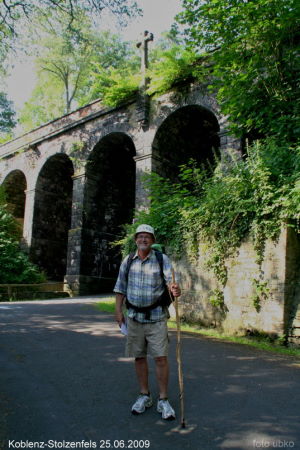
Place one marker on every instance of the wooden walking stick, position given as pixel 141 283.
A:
pixel 178 356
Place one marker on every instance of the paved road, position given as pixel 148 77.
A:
pixel 63 377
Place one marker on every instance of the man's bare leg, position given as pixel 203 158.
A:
pixel 162 375
pixel 141 369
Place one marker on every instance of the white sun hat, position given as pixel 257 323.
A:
pixel 145 229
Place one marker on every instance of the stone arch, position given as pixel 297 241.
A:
pixel 189 132
pixel 52 216
pixel 15 186
pixel 109 202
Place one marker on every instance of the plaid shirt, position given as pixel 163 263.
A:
pixel 144 285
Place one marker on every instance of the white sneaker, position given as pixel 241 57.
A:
pixel 166 410
pixel 142 402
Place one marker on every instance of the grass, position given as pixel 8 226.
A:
pixel 106 306
pixel 260 342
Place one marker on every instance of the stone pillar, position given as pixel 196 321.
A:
pixel 292 287
pixel 143 165
pixel 28 218
pixel 230 148
pixel 73 278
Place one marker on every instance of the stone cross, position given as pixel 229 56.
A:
pixel 143 99
pixel 143 45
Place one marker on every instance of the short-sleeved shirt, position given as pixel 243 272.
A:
pixel 145 285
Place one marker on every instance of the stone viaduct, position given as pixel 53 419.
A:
pixel 72 183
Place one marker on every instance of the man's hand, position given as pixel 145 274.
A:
pixel 175 289
pixel 119 316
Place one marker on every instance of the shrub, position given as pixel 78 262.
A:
pixel 15 266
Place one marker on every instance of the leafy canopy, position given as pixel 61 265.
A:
pixel 68 62
pixel 12 12
pixel 255 59
pixel 7 114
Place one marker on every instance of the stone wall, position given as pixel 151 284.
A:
pixel 92 143
pixel 280 269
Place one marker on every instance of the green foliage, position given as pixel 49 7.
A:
pixel 252 196
pixel 163 214
pixel 74 66
pixel 14 264
pixel 113 73
pixel 7 116
pixel 216 298
pixel 115 86
pixel 170 64
pixel 15 17
pixel 69 63
pixel 255 67
pixel 106 306
pixel 173 65
pixel 121 89
pixel 46 103
pixel 5 137
pixel 261 292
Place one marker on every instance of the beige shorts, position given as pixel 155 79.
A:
pixel 144 338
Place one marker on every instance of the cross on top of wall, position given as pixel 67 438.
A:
pixel 143 45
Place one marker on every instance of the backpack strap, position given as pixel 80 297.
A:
pixel 129 261
pixel 160 260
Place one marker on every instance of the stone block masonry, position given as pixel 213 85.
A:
pixel 73 183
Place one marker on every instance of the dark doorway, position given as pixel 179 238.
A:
pixel 52 216
pixel 108 204
pixel 189 132
pixel 15 192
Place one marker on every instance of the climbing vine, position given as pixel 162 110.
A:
pixel 252 197
pixel 261 292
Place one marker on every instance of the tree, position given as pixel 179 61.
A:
pixel 66 53
pixel 15 16
pixel 7 117
pixel 11 12
pixel 45 104
pixel 67 61
pixel 115 75
pixel 253 46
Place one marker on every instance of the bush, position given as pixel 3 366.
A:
pixel 252 196
pixel 15 266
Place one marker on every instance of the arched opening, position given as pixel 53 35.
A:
pixel 52 216
pixel 15 187
pixel 109 202
pixel 189 132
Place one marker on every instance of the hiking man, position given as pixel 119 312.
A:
pixel 141 282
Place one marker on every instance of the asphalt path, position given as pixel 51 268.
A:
pixel 64 383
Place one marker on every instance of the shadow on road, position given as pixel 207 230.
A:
pixel 63 377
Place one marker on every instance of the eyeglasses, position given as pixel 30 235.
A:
pixel 144 236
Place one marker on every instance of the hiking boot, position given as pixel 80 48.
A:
pixel 166 410
pixel 142 402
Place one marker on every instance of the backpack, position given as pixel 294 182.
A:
pixel 164 300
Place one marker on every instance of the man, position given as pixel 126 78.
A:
pixel 147 331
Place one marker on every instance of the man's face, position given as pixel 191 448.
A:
pixel 144 241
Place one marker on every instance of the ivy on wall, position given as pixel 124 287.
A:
pixel 252 197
